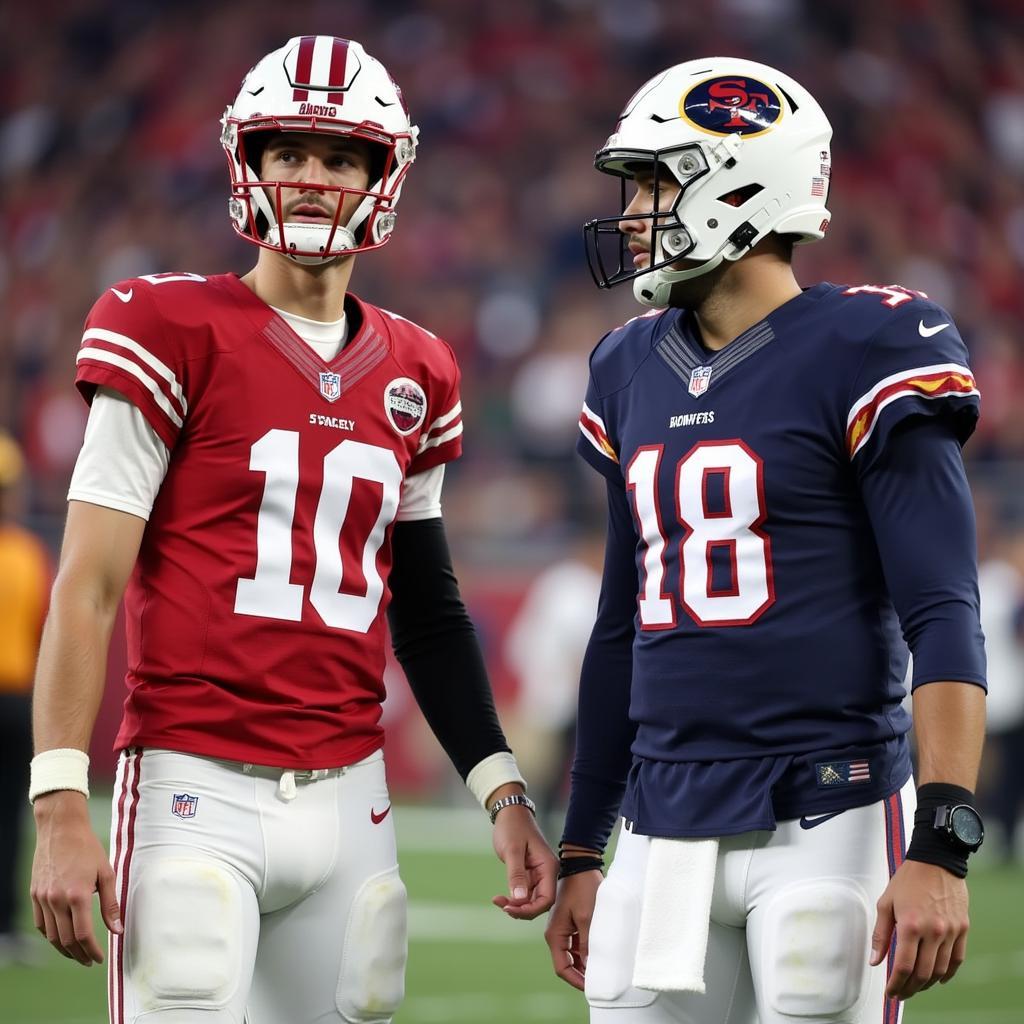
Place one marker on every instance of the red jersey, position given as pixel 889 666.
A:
pixel 255 612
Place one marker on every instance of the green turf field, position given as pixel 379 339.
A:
pixel 468 963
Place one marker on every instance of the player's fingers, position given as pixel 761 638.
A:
pixel 904 960
pixel 956 957
pixel 109 907
pixel 65 926
pixel 559 937
pixel 49 928
pixel 943 955
pixel 924 967
pixel 541 894
pixel 85 936
pixel 37 913
pixel 581 944
pixel 545 882
pixel 885 921
pixel 518 879
pixel 525 911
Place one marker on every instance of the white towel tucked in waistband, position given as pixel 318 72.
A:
pixel 676 914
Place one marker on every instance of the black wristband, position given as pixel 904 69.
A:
pixel 928 845
pixel 576 865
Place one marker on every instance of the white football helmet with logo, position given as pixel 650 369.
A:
pixel 326 85
pixel 749 148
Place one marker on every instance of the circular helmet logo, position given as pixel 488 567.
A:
pixel 405 403
pixel 732 105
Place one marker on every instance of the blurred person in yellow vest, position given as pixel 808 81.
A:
pixel 24 587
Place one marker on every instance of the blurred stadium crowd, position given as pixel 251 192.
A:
pixel 110 166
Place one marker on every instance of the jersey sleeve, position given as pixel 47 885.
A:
pixel 604 731
pixel 915 365
pixel 594 443
pixel 125 348
pixel 919 503
pixel 441 439
pixel 122 462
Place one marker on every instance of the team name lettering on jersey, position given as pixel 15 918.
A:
pixel 691 419
pixel 316 420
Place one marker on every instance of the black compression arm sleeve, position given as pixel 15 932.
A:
pixel 436 645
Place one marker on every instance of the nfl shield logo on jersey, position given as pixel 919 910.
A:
pixel 699 380
pixel 183 805
pixel 330 385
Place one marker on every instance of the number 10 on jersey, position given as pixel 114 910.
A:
pixel 725 559
pixel 270 592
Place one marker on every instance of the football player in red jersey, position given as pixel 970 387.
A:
pixel 786 497
pixel 261 476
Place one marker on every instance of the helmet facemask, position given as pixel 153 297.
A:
pixel 670 239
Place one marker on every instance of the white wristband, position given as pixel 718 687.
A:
pixel 497 770
pixel 63 768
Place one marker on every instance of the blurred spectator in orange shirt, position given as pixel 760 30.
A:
pixel 24 586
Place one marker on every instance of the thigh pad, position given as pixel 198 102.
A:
pixel 184 934
pixel 372 979
pixel 815 949
pixel 614 932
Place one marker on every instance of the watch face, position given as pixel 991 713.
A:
pixel 966 826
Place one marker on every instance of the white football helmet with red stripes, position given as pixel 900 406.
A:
pixel 328 85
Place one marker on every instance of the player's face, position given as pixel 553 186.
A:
pixel 312 161
pixel 645 201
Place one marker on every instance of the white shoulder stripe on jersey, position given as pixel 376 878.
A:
pixel 455 410
pixel 440 439
pixel 113 338
pixel 103 356
pixel 920 371
pixel 593 415
pixel 593 440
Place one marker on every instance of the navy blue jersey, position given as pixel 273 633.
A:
pixel 772 547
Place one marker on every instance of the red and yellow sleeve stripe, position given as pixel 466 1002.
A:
pixel 593 429
pixel 946 380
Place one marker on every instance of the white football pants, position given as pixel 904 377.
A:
pixel 791 922
pixel 249 895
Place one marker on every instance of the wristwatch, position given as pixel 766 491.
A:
pixel 961 824
pixel 511 801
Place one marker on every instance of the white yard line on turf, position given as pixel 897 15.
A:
pixel 446 922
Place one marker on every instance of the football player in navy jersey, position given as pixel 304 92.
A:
pixel 261 474
pixel 787 513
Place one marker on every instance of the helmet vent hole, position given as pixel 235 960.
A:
pixel 741 195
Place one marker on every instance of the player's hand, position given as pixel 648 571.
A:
pixel 568 930
pixel 927 907
pixel 529 861
pixel 70 864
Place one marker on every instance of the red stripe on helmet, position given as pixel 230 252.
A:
pixel 339 58
pixel 304 67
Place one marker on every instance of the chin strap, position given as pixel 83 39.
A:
pixel 312 240
pixel 654 289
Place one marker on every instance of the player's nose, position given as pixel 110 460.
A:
pixel 315 172
pixel 632 221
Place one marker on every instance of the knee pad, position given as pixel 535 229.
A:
pixel 372 979
pixel 814 955
pixel 184 934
